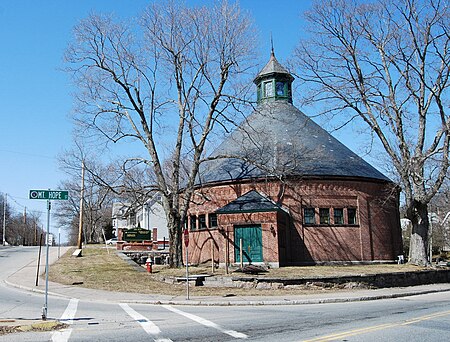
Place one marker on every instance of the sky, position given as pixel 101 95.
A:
pixel 36 101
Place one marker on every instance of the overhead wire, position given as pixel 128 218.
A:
pixel 14 199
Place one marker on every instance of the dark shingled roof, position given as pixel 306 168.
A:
pixel 271 68
pixel 252 201
pixel 278 139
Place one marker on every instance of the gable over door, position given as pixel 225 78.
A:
pixel 251 243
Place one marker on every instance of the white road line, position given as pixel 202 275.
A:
pixel 207 323
pixel 70 312
pixel 149 327
pixel 67 317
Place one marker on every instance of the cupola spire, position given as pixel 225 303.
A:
pixel 273 82
pixel 272 53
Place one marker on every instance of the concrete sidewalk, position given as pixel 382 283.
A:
pixel 25 279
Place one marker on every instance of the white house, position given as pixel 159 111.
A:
pixel 446 225
pixel 151 215
pixel 434 220
pixel 122 216
pixel 148 216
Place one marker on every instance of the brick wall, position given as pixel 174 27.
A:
pixel 375 236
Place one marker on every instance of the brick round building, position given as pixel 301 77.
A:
pixel 282 191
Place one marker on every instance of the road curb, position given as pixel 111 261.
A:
pixel 285 301
pixel 256 302
pixel 17 280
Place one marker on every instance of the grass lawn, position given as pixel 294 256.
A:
pixel 107 271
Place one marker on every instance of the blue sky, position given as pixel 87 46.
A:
pixel 36 95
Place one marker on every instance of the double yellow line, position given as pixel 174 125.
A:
pixel 366 330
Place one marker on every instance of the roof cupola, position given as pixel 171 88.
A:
pixel 274 82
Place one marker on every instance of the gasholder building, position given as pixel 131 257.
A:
pixel 282 191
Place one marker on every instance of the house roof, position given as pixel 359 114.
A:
pixel 278 139
pixel 252 201
pixel 120 209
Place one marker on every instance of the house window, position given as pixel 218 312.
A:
pixel 193 220
pixel 338 215
pixel 324 215
pixel 212 220
pixel 309 216
pixel 202 221
pixel 351 215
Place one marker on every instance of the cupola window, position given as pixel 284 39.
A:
pixel 268 89
pixel 280 88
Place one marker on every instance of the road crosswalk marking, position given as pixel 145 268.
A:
pixel 206 322
pixel 149 327
pixel 67 317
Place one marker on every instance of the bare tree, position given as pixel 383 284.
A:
pixel 386 64
pixel 21 228
pixel 165 85
pixel 102 184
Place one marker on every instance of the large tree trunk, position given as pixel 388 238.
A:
pixel 175 238
pixel 418 214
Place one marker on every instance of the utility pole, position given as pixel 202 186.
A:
pixel 4 219
pixel 35 233
pixel 80 227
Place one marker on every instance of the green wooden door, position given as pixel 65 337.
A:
pixel 251 243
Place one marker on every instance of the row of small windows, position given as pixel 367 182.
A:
pixel 328 216
pixel 311 216
pixel 204 221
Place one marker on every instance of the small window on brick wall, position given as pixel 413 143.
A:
pixel 338 215
pixel 212 220
pixel 202 221
pixel 324 215
pixel 193 222
pixel 309 216
pixel 351 215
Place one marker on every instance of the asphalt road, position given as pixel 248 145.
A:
pixel 417 318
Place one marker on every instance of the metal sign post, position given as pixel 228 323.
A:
pixel 186 244
pixel 59 242
pixel 48 195
pixel 45 308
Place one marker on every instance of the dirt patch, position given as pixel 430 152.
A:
pixel 22 326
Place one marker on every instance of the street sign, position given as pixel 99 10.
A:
pixel 49 194
pixel 186 237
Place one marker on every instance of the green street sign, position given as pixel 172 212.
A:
pixel 49 194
